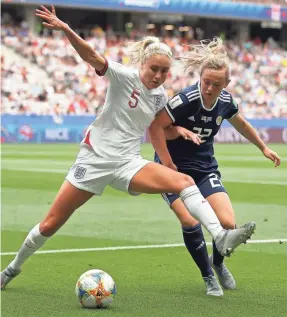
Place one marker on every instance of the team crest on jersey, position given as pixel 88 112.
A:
pixel 218 120
pixel 158 102
pixel 80 172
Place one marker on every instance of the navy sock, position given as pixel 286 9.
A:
pixel 196 246
pixel 217 257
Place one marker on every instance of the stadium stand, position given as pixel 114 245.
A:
pixel 60 83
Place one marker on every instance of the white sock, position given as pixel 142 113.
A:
pixel 33 242
pixel 201 210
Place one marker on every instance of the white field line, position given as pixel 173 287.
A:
pixel 134 247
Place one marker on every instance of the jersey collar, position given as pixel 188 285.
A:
pixel 201 99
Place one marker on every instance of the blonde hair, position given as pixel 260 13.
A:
pixel 207 54
pixel 140 51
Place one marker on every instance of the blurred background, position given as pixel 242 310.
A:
pixel 48 94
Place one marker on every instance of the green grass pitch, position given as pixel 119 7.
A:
pixel 150 281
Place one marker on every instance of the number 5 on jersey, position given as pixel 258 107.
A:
pixel 133 103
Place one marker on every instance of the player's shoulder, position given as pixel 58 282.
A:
pixel 225 97
pixel 191 92
pixel 125 69
pixel 228 104
pixel 185 97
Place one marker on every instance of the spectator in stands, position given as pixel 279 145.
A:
pixel 259 71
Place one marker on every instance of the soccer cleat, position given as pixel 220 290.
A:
pixel 7 276
pixel 228 240
pixel 225 277
pixel 212 286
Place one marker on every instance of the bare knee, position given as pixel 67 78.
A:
pixel 183 182
pixel 189 222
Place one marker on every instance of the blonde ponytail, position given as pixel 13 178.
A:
pixel 140 51
pixel 207 54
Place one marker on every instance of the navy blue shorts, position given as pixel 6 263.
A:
pixel 207 182
pixel 208 185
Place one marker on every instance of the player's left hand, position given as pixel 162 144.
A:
pixel 271 155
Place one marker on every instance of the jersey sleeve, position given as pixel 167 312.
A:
pixel 116 72
pixel 180 107
pixel 232 109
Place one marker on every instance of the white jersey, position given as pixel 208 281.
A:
pixel 128 110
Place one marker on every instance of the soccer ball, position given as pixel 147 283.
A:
pixel 95 289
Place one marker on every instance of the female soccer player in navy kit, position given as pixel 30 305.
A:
pixel 196 158
pixel 110 152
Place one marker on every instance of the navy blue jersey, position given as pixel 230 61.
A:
pixel 187 110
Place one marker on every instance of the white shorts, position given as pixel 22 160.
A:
pixel 92 173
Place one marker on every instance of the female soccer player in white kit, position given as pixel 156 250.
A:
pixel 110 152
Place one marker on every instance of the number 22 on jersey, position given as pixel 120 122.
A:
pixel 134 102
pixel 204 133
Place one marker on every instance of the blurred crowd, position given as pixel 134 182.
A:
pixel 67 85
pixel 278 2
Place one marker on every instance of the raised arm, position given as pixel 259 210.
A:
pixel 247 130
pixel 83 48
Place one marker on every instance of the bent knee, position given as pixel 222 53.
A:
pixel 184 181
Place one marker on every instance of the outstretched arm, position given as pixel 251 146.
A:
pixel 83 48
pixel 247 130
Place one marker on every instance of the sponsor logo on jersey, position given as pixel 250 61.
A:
pixel 191 118
pixel 218 120
pixel 80 172
pixel 206 119
pixel 175 102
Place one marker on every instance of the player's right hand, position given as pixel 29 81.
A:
pixel 189 135
pixel 53 22
pixel 172 166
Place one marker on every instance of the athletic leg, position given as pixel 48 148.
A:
pixel 213 190
pixel 155 178
pixel 222 206
pixel 195 243
pixel 68 199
